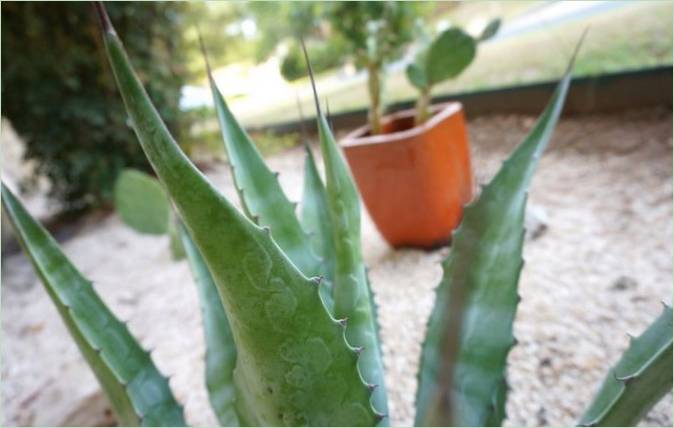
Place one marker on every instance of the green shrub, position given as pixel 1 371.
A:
pixel 60 96
pixel 324 56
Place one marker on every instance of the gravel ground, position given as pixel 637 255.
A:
pixel 598 271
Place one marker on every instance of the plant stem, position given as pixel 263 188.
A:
pixel 423 104
pixel 374 88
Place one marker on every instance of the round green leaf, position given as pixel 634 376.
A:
pixel 490 30
pixel 141 202
pixel 416 75
pixel 449 54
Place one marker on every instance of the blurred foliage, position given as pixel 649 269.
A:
pixel 376 31
pixel 206 141
pixel 221 26
pixel 370 33
pixel 324 56
pixel 270 142
pixel 339 27
pixel 278 21
pixel 60 95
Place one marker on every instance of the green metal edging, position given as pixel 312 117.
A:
pixel 603 93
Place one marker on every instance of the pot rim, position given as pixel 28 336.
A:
pixel 442 111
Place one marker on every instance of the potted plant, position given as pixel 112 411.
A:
pixel 401 167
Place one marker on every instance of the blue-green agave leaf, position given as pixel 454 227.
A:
pixel 138 393
pixel 294 366
pixel 259 190
pixel 352 300
pixel 463 361
pixel 639 380
pixel 175 240
pixel 316 220
pixel 220 347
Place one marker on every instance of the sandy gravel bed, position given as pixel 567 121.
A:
pixel 600 270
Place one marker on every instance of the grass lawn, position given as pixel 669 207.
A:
pixel 463 13
pixel 635 36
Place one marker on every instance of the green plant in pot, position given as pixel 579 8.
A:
pixel 285 348
pixel 413 149
pixel 446 57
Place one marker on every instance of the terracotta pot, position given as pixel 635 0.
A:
pixel 414 180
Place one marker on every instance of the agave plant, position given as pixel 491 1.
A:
pixel 290 323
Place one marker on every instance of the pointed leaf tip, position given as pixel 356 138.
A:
pixel 202 46
pixel 329 117
pixel 572 62
pixel 311 77
pixel 466 300
pixel 103 18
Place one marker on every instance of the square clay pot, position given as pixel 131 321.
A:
pixel 414 180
